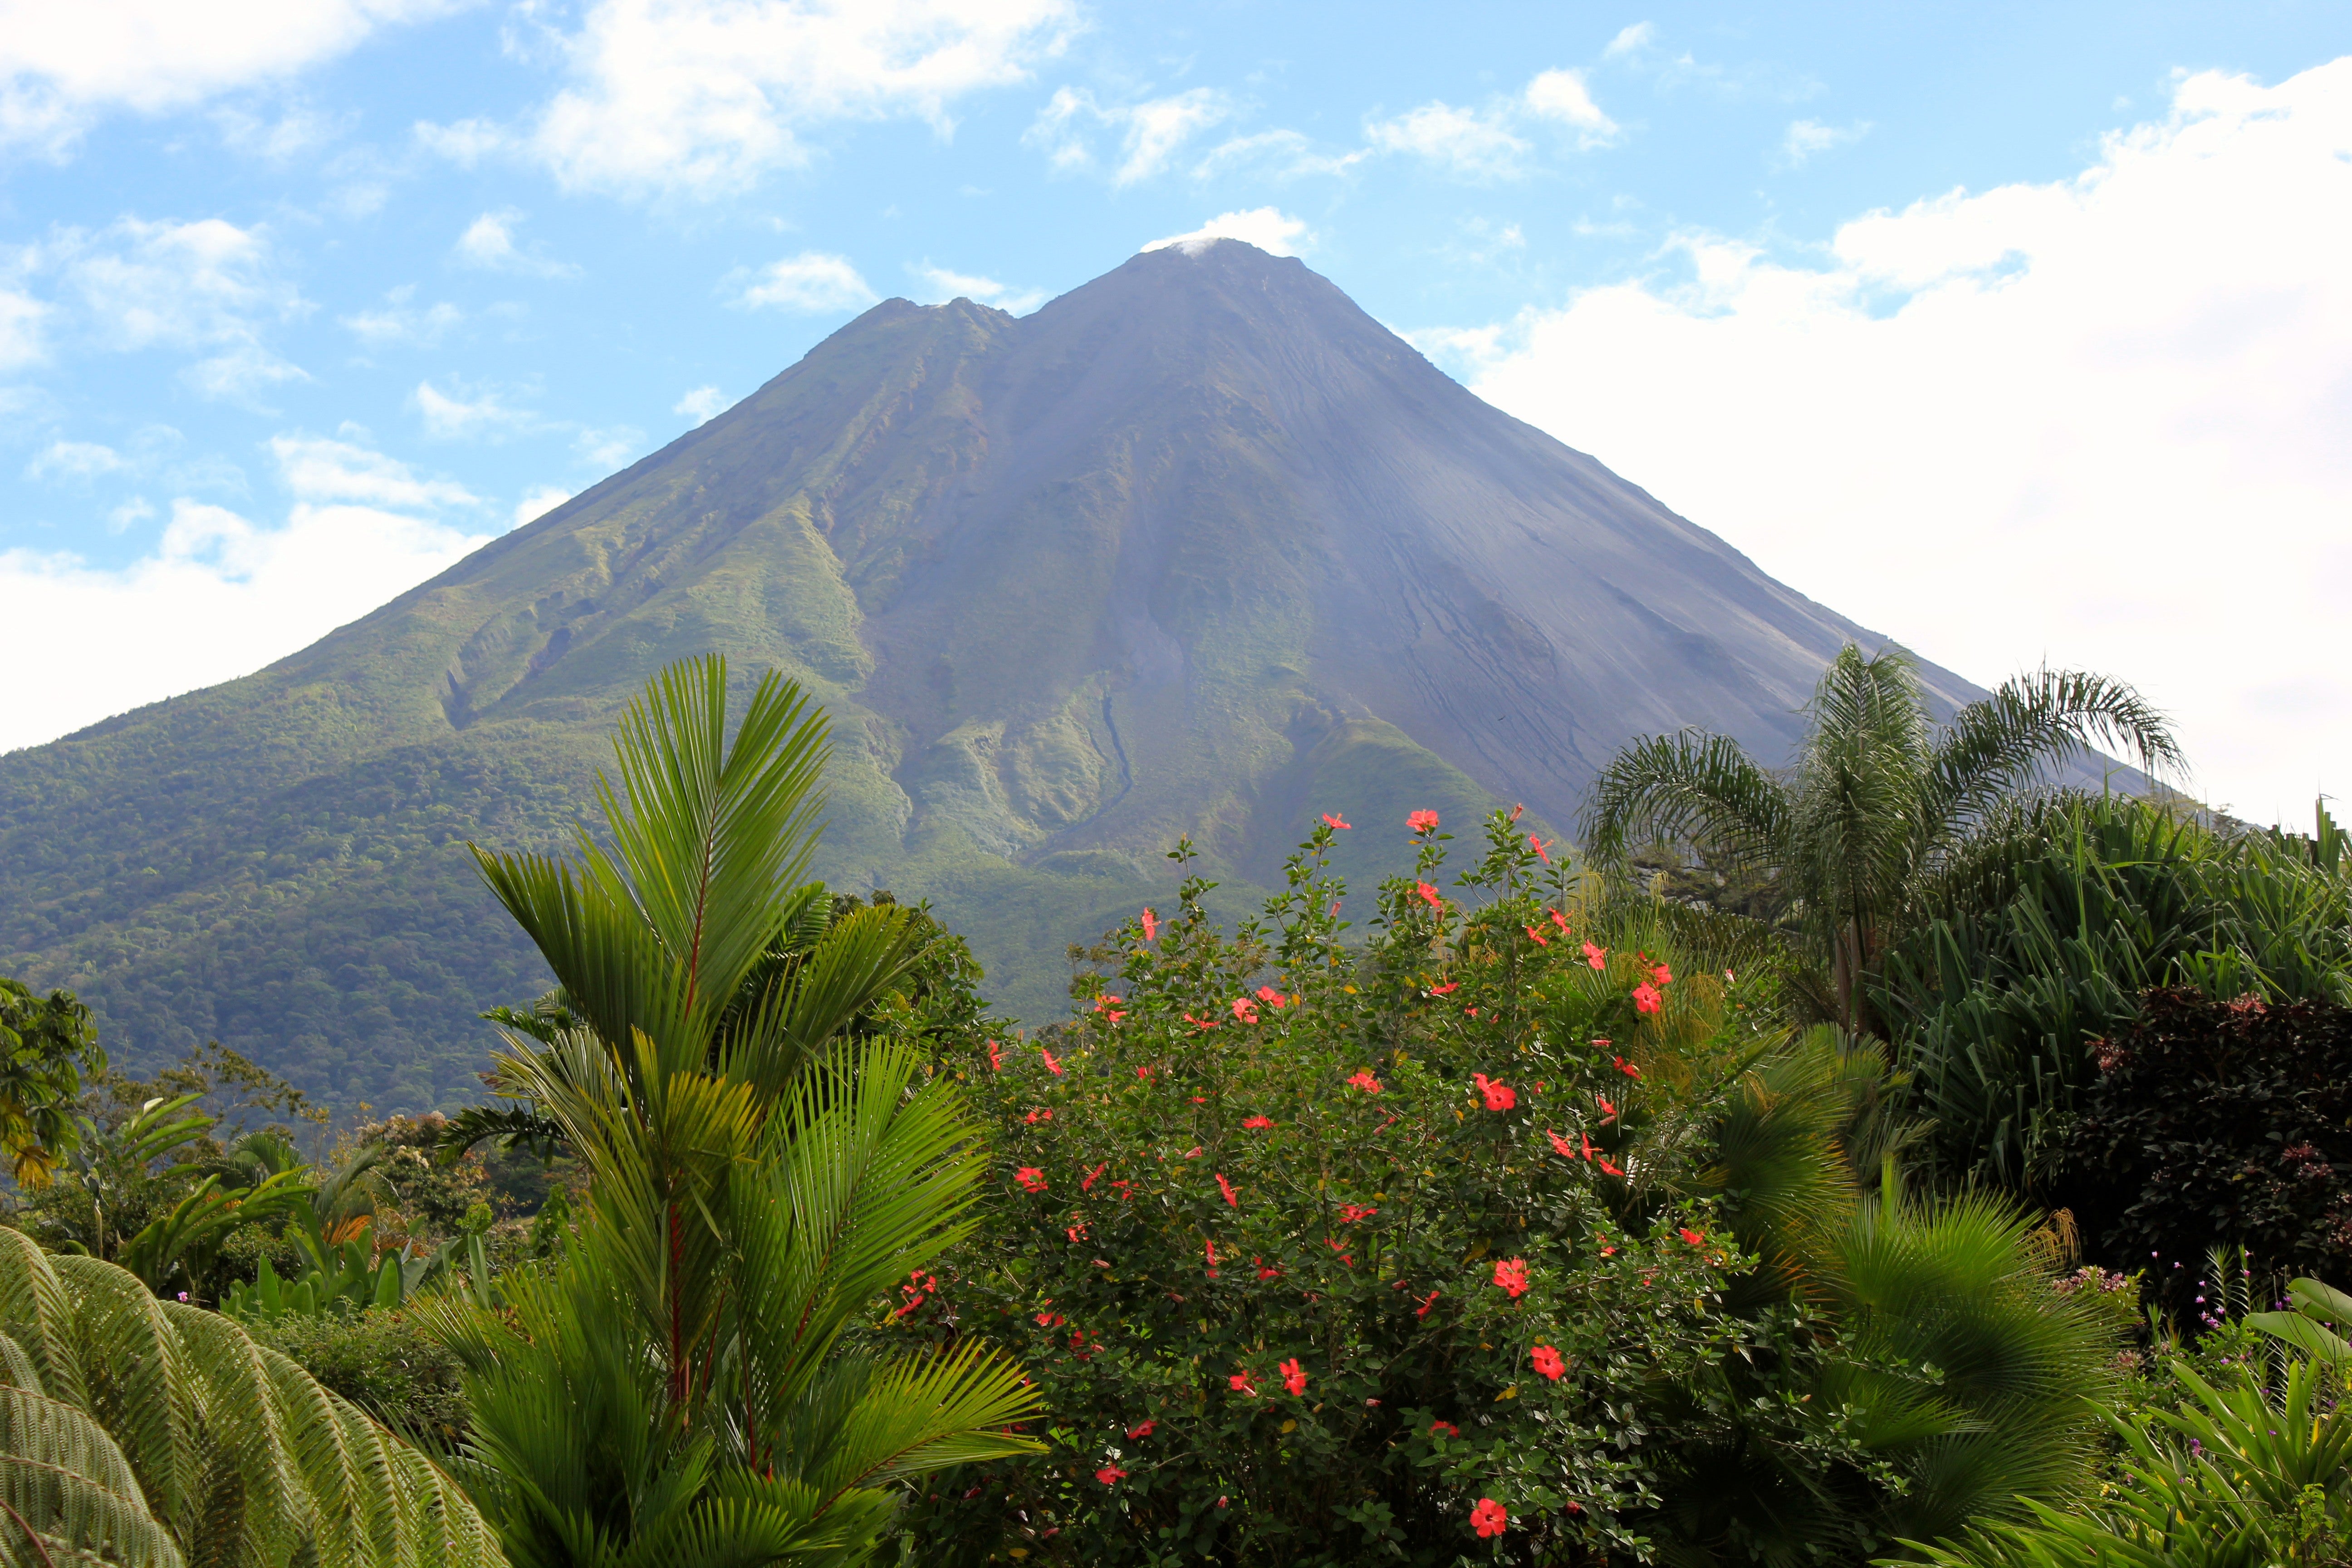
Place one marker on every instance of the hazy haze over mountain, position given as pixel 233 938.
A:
pixel 1196 549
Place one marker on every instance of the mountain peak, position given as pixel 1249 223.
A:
pixel 1198 548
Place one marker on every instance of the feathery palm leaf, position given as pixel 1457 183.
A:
pixel 138 1430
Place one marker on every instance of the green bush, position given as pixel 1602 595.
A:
pixel 382 1362
pixel 1328 1254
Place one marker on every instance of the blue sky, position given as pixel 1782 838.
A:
pixel 300 299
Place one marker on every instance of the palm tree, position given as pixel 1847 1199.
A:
pixel 151 1433
pixel 1878 802
pixel 678 1391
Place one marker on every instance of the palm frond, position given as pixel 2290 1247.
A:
pixel 2032 723
pixel 1686 787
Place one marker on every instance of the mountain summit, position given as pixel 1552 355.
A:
pixel 1197 549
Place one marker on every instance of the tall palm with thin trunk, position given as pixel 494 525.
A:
pixel 702 1050
pixel 1879 801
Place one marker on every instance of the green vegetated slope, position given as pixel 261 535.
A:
pixel 1198 548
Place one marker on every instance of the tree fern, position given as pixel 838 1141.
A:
pixel 143 1432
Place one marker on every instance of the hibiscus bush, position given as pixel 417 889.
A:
pixel 1330 1251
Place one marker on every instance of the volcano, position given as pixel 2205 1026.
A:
pixel 1197 549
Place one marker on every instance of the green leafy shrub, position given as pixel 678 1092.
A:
pixel 2209 1120
pixel 1325 1254
pixel 385 1362
pixel 2047 933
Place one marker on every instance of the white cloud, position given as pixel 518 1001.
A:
pixel 703 402
pixel 81 460
pixel 64 65
pixel 220 594
pixel 1271 230
pixel 1630 40
pixel 814 280
pixel 2099 421
pixel 1479 144
pixel 467 143
pixel 297 130
pixel 940 285
pixel 611 448
pixel 20 330
pixel 1807 137
pixel 460 415
pixel 1150 132
pixel 538 501
pixel 1486 144
pixel 489 242
pixel 707 96
pixel 179 285
pixel 399 322
pixel 135 510
pixel 207 287
pixel 316 469
pixel 1561 95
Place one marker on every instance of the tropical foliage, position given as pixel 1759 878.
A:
pixel 1524 1222
pixel 1880 806
pixel 683 1383
pixel 46 1043
pixel 2070 910
pixel 138 1431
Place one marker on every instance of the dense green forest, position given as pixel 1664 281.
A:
pixel 1891 1158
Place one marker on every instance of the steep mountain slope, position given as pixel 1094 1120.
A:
pixel 1199 548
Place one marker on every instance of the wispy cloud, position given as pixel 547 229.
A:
pixel 940 285
pixel 1807 137
pixel 1269 229
pixel 489 242
pixel 816 281
pixel 1148 134
pixel 705 97
pixel 703 403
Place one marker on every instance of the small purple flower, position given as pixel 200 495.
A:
pixel 184 1295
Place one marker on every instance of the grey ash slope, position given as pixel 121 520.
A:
pixel 1198 548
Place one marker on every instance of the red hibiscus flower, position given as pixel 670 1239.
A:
pixel 1448 989
pixel 1030 1177
pixel 1537 937
pixel 1499 1096
pixel 1226 1187
pixel 1489 1518
pixel 1092 1176
pixel 1546 1362
pixel 1245 1009
pixel 1646 998
pixel 1294 1376
pixel 1608 1111
pixel 1426 1303
pixel 1429 894
pixel 1142 1430
pixel 1200 1023
pixel 1628 1069
pixel 1422 821
pixel 1110 1474
pixel 1243 1383
pixel 1560 1145
pixel 1448 1427
pixel 1511 1274
pixel 1051 1065
pixel 1263 1272
pixel 1366 1082
pixel 1558 920
pixel 1538 845
pixel 1150 926
pixel 995 1056
pixel 1040 1114
pixel 1349 1213
pixel 1331 821
pixel 1663 974
pixel 1271 997
pixel 1257 1122
pixel 1596 956
pixel 1693 1237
